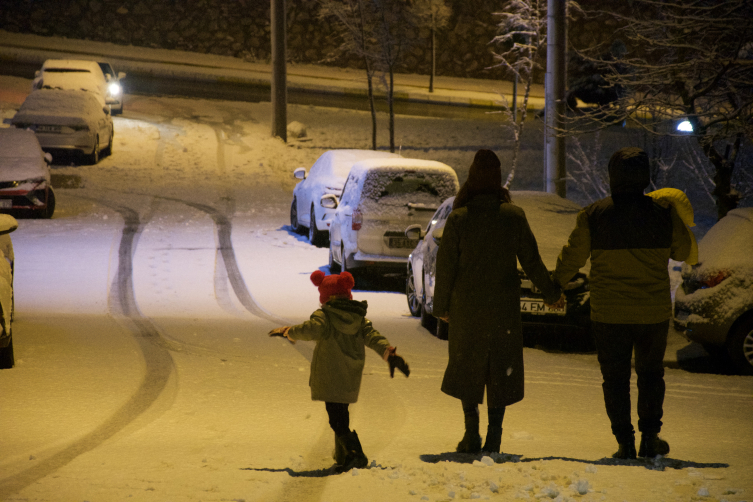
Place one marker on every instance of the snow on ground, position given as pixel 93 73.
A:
pixel 215 410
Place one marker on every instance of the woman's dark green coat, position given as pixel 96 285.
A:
pixel 477 283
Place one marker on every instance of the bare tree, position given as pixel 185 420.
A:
pixel 395 19
pixel 523 40
pixel 434 14
pixel 686 59
pixel 356 19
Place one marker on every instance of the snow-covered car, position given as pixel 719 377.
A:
pixel 382 197
pixel 114 86
pixel 7 225
pixel 714 304
pixel 25 174
pixel 326 176
pixel 551 218
pixel 72 121
pixel 74 74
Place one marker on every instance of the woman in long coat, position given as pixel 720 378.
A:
pixel 478 292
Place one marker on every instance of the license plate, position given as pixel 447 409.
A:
pixel 6 203
pixel 402 242
pixel 538 308
pixel 48 129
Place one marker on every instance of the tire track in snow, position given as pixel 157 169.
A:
pixel 154 349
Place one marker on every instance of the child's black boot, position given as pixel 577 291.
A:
pixel 354 456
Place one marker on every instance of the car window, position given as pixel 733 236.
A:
pixel 107 69
pixel 348 190
pixel 66 70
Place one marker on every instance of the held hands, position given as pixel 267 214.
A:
pixel 396 361
pixel 282 332
pixel 559 304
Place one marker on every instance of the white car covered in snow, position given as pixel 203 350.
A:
pixel 380 199
pixel 74 74
pixel 25 174
pixel 72 121
pixel 7 225
pixel 714 304
pixel 327 176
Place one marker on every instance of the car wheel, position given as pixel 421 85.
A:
pixel 109 145
pixel 7 360
pixel 316 237
pixel 334 267
pixel 414 303
pixel 428 321
pixel 294 217
pixel 443 329
pixel 93 157
pixel 740 346
pixel 50 208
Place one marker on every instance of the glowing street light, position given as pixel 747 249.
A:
pixel 685 126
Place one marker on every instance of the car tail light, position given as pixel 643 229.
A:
pixel 714 280
pixel 357 220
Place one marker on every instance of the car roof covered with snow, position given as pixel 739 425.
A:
pixel 728 245
pixel 59 107
pixel 21 157
pixel 71 65
pixel 337 163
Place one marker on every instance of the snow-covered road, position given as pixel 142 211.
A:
pixel 144 371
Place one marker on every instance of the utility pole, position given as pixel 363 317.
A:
pixel 279 85
pixel 556 75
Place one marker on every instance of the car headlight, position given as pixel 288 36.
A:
pixel 115 89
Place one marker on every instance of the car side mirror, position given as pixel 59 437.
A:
pixel 7 224
pixel 106 109
pixel 329 201
pixel 300 173
pixel 121 75
pixel 108 77
pixel 37 74
pixel 414 232
pixel 48 158
pixel 437 235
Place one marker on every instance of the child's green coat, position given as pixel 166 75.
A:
pixel 341 331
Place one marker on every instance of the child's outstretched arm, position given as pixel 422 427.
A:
pixel 282 332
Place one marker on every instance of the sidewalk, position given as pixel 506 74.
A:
pixel 207 68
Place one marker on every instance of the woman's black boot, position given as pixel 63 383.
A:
pixel 471 442
pixel 494 430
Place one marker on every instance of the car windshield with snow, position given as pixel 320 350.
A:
pixel 24 174
pixel 380 199
pixel 551 219
pixel 714 304
pixel 327 176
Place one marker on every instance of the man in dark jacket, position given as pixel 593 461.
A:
pixel 630 239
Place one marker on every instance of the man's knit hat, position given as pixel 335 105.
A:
pixel 333 285
pixel 629 171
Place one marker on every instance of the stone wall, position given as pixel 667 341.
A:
pixel 240 28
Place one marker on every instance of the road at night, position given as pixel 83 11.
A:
pixel 144 369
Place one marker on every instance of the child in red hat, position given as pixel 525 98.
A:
pixel 341 331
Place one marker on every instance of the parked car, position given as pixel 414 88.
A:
pixel 7 225
pixel 25 174
pixel 714 304
pixel 74 74
pixel 72 121
pixel 382 197
pixel 114 86
pixel 327 176
pixel 551 218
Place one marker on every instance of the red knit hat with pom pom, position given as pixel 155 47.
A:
pixel 333 285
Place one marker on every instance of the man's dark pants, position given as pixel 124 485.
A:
pixel 615 344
